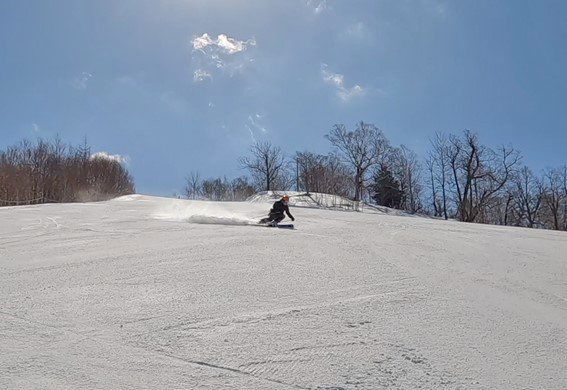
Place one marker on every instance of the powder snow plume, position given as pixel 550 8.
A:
pixel 211 213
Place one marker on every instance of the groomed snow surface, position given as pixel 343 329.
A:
pixel 155 293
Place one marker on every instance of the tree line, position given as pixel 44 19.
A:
pixel 45 172
pixel 475 183
pixel 461 178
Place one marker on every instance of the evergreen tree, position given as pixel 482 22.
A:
pixel 386 188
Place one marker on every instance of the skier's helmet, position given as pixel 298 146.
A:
pixel 285 198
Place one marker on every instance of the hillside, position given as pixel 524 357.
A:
pixel 153 293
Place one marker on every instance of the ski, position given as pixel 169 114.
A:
pixel 284 226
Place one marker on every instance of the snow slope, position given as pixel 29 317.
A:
pixel 154 293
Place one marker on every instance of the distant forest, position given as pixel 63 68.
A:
pixel 460 178
pixel 47 172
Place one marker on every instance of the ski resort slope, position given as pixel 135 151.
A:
pixel 154 293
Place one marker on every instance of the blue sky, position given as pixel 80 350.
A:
pixel 186 85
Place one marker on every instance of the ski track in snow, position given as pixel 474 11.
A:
pixel 154 293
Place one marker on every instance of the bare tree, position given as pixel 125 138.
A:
pixel 242 189
pixel 216 189
pixel 192 185
pixel 478 174
pixel 438 165
pixel 501 209
pixel 308 167
pixel 435 202
pixel 529 195
pixel 285 178
pixel 53 172
pixel 553 196
pixel 265 165
pixel 323 174
pixel 407 171
pixel 361 148
pixel 339 182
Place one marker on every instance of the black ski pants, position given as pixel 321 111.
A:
pixel 274 217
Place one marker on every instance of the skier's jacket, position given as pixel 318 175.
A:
pixel 279 207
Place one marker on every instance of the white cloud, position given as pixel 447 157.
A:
pixel 223 42
pixel 35 127
pixel 334 78
pixel 224 54
pixel 202 41
pixel 232 46
pixel 347 94
pixel 80 82
pixel 112 157
pixel 338 81
pixel 318 6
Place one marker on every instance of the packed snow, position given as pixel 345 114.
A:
pixel 154 293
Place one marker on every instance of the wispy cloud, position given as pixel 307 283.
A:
pixel 318 6
pixel 128 81
pixel 223 54
pixel 254 121
pixel 338 81
pixel 357 30
pixel 112 157
pixel 438 7
pixel 431 8
pixel 80 82
pixel 174 103
pixel 201 75
pixel 36 128
pixel 254 126
pixel 251 133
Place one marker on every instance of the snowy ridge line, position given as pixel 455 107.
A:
pixel 316 200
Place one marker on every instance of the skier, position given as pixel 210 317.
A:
pixel 277 212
